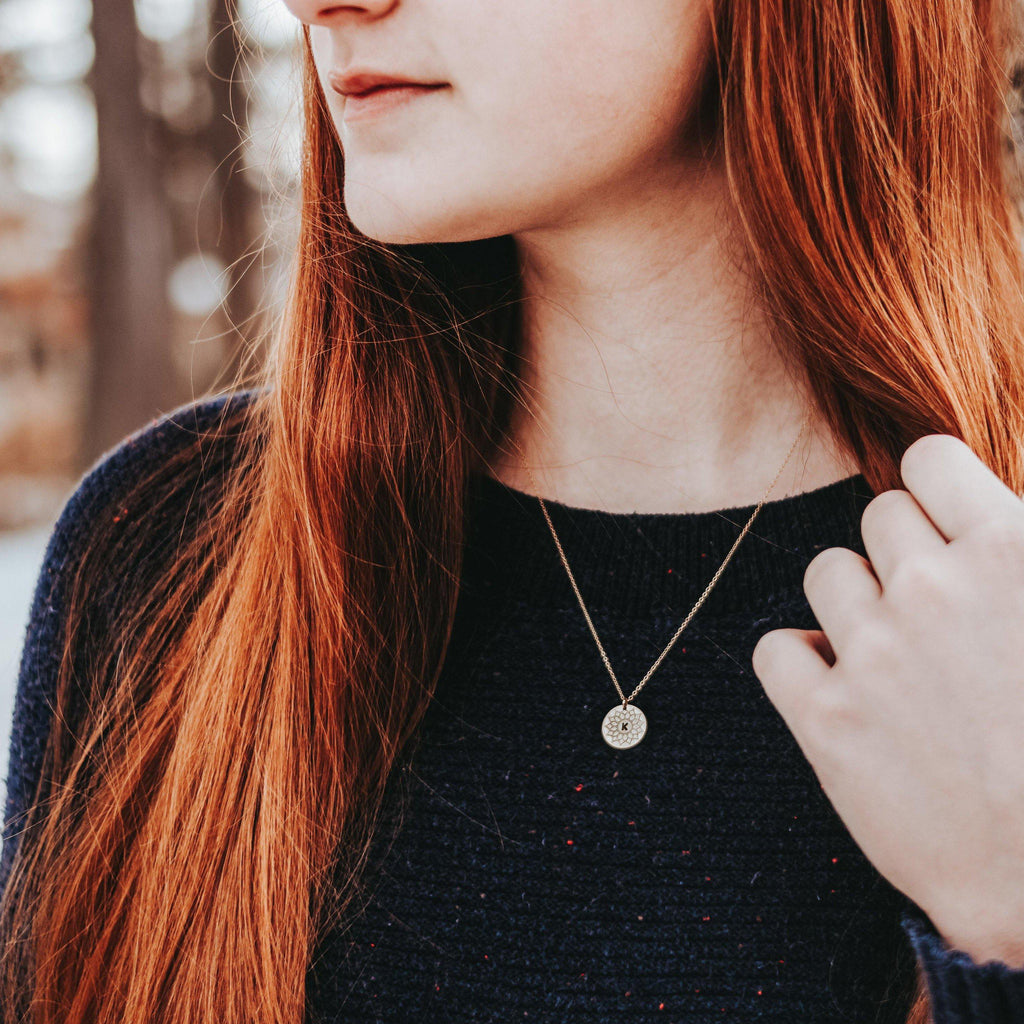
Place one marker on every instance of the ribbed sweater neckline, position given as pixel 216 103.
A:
pixel 644 563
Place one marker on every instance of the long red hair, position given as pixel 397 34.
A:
pixel 218 750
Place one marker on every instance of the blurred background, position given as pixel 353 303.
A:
pixel 148 176
pixel 148 165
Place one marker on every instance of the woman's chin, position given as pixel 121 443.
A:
pixel 395 223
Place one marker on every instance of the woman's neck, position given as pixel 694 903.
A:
pixel 624 483
pixel 651 381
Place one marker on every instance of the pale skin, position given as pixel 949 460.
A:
pixel 907 702
pixel 656 387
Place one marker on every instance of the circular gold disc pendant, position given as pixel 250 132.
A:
pixel 624 726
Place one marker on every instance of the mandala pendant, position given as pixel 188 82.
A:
pixel 624 726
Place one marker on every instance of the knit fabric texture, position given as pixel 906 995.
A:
pixel 534 872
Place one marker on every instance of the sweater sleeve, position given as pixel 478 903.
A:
pixel 963 991
pixel 99 490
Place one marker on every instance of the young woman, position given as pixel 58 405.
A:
pixel 368 691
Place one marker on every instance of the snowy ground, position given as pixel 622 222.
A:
pixel 21 557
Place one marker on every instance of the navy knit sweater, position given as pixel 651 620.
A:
pixel 538 874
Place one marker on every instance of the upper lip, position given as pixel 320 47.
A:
pixel 352 83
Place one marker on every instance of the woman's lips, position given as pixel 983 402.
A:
pixel 369 105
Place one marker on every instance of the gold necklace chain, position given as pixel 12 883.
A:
pixel 626 726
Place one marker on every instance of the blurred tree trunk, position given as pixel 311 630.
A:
pixel 130 246
pixel 237 199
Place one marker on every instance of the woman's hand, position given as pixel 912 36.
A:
pixel 909 702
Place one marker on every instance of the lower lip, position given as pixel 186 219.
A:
pixel 372 105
